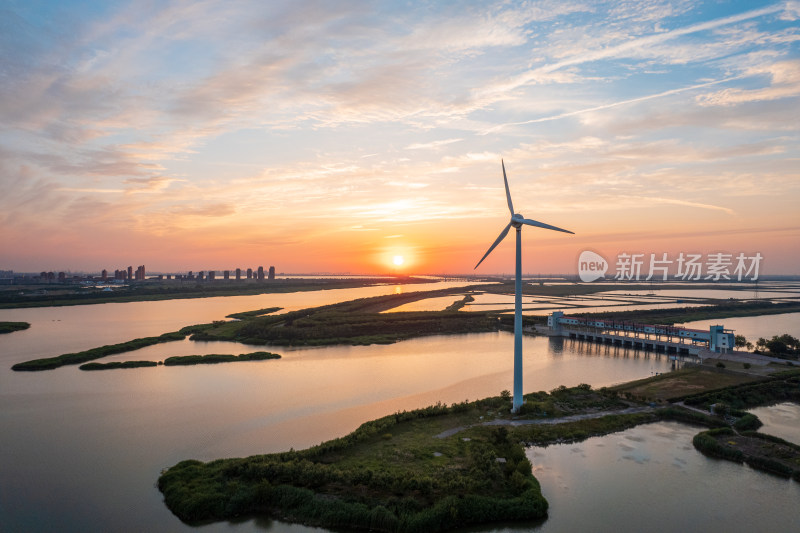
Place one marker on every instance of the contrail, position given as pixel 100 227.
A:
pixel 689 204
pixel 613 104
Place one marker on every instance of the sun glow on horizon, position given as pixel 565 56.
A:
pixel 396 259
pixel 388 161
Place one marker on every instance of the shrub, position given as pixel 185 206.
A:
pixel 769 465
pixel 706 444
pixel 748 422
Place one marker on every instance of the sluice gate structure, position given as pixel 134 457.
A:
pixel 649 337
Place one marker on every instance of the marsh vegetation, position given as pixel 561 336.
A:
pixel 210 359
pixel 76 358
pixel 117 364
pixel 357 322
pixel 184 360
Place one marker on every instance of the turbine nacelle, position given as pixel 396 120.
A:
pixel 517 220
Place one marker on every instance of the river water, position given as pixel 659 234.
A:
pixel 753 327
pixel 781 420
pixel 82 450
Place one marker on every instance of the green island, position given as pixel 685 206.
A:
pixel 444 467
pixel 9 327
pixel 184 360
pixel 455 306
pixel 257 312
pixel 49 363
pixel 117 364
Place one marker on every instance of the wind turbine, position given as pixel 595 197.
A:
pixel 517 220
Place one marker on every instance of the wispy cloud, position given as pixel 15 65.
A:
pixel 785 83
pixel 210 210
pixel 149 185
pixel 432 144
pixel 90 190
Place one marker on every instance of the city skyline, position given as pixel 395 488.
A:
pixel 141 274
pixel 341 137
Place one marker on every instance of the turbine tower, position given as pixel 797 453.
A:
pixel 517 220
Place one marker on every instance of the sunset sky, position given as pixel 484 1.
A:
pixel 337 136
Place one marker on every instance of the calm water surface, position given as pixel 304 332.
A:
pixel 753 327
pixel 82 450
pixel 781 420
pixel 650 478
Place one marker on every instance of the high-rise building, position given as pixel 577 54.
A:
pixel 130 273
pixel 249 273
pixel 226 274
pixel 261 273
pixel 212 275
pixel 104 275
pixel 238 274
pixel 200 275
pixel 271 274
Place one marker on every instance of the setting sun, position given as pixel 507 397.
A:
pixel 398 260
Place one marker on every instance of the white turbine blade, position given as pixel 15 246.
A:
pixel 530 222
pixel 492 247
pixel 508 193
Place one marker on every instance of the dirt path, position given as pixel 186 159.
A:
pixel 546 421
pixel 690 408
